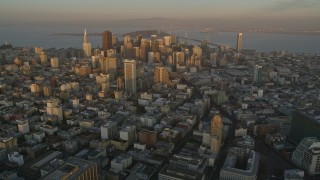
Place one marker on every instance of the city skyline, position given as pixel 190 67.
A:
pixel 14 12
pixel 146 90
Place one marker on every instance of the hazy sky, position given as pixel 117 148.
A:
pixel 18 11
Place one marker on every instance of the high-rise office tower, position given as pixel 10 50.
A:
pixel 239 42
pixel 167 40
pixel 128 133
pixel 114 40
pixel 108 130
pixel 161 75
pixel 144 49
pixel 196 50
pixel 129 50
pixel 150 57
pixel 136 52
pixel 154 46
pixel 43 58
pixel 106 40
pixel 2 59
pixel 120 83
pixel 86 45
pixel 109 66
pixel 216 133
pixel 257 75
pixel 179 57
pixel 213 58
pixel 126 40
pixel 54 62
pixel 130 76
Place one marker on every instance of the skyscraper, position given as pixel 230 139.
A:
pixel 257 75
pixel 130 76
pixel 166 40
pixel 161 75
pixel 106 40
pixel 239 42
pixel 54 62
pixel 307 155
pixel 154 46
pixel 216 133
pixel 2 59
pixel 86 45
pixel 126 40
pixel 109 66
pixel 129 50
pixel 43 58
pixel 144 49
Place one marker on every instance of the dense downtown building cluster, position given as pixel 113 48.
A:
pixel 155 106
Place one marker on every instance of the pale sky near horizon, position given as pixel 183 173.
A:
pixel 76 10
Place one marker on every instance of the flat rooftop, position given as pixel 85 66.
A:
pixel 179 173
pixel 75 165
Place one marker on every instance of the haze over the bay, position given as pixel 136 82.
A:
pixel 295 14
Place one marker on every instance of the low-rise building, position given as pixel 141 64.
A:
pixel 74 168
pixel 17 158
pixel 232 169
pixel 121 162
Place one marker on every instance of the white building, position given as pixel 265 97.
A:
pixel 206 137
pixel 148 121
pixel 39 136
pixel 108 130
pixel 128 134
pixel 307 155
pixel 23 126
pixel 16 158
pixel 257 73
pixel 240 132
pixel 121 162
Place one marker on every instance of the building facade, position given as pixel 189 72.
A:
pixel 86 45
pixel 130 76
pixel 106 40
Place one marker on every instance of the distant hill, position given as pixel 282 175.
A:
pixel 144 33
pixel 148 33
pixel 6 46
